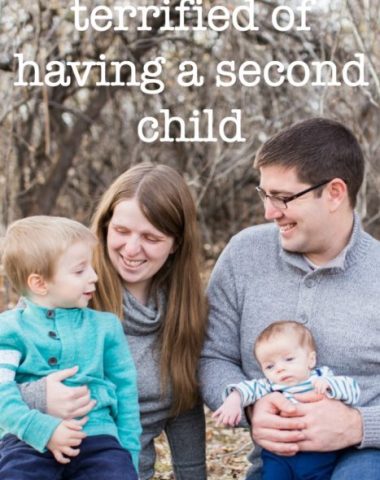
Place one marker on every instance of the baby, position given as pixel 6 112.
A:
pixel 48 261
pixel 286 353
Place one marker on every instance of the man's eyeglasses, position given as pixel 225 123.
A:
pixel 282 202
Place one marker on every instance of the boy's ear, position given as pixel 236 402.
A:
pixel 312 359
pixel 37 284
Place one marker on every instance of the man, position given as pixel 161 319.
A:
pixel 315 265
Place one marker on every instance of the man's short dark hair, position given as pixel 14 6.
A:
pixel 319 149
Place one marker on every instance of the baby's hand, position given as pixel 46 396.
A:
pixel 230 412
pixel 67 435
pixel 321 385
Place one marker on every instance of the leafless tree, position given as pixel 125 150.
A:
pixel 61 146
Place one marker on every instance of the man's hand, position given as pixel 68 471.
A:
pixel 230 412
pixel 67 402
pixel 315 424
pixel 330 424
pixel 276 424
pixel 67 435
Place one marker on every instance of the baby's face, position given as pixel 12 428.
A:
pixel 283 360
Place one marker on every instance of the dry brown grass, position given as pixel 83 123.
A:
pixel 227 450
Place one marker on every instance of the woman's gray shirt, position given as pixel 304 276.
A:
pixel 142 324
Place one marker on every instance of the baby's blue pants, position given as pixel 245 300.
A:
pixel 302 466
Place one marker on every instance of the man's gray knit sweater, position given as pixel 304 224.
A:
pixel 255 282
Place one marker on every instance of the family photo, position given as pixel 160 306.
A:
pixel 189 240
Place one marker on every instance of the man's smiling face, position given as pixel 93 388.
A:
pixel 305 223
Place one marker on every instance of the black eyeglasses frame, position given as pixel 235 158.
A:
pixel 283 201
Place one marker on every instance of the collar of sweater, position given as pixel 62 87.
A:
pixel 45 312
pixel 354 251
pixel 142 319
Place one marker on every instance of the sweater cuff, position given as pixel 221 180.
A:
pixel 371 427
pixel 34 394
pixel 39 431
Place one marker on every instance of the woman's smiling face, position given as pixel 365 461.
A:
pixel 136 248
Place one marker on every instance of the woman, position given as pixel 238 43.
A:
pixel 147 264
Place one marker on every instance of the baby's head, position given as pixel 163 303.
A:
pixel 48 260
pixel 286 352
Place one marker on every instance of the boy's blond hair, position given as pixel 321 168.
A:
pixel 34 244
pixel 287 327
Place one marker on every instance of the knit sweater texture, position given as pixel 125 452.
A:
pixel 255 282
pixel 185 432
pixel 141 324
pixel 36 341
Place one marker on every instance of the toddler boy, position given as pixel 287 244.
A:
pixel 48 261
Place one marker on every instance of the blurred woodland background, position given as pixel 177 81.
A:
pixel 61 147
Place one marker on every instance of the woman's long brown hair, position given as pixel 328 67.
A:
pixel 166 201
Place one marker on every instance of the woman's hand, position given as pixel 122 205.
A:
pixel 67 402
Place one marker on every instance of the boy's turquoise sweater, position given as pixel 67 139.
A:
pixel 37 341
